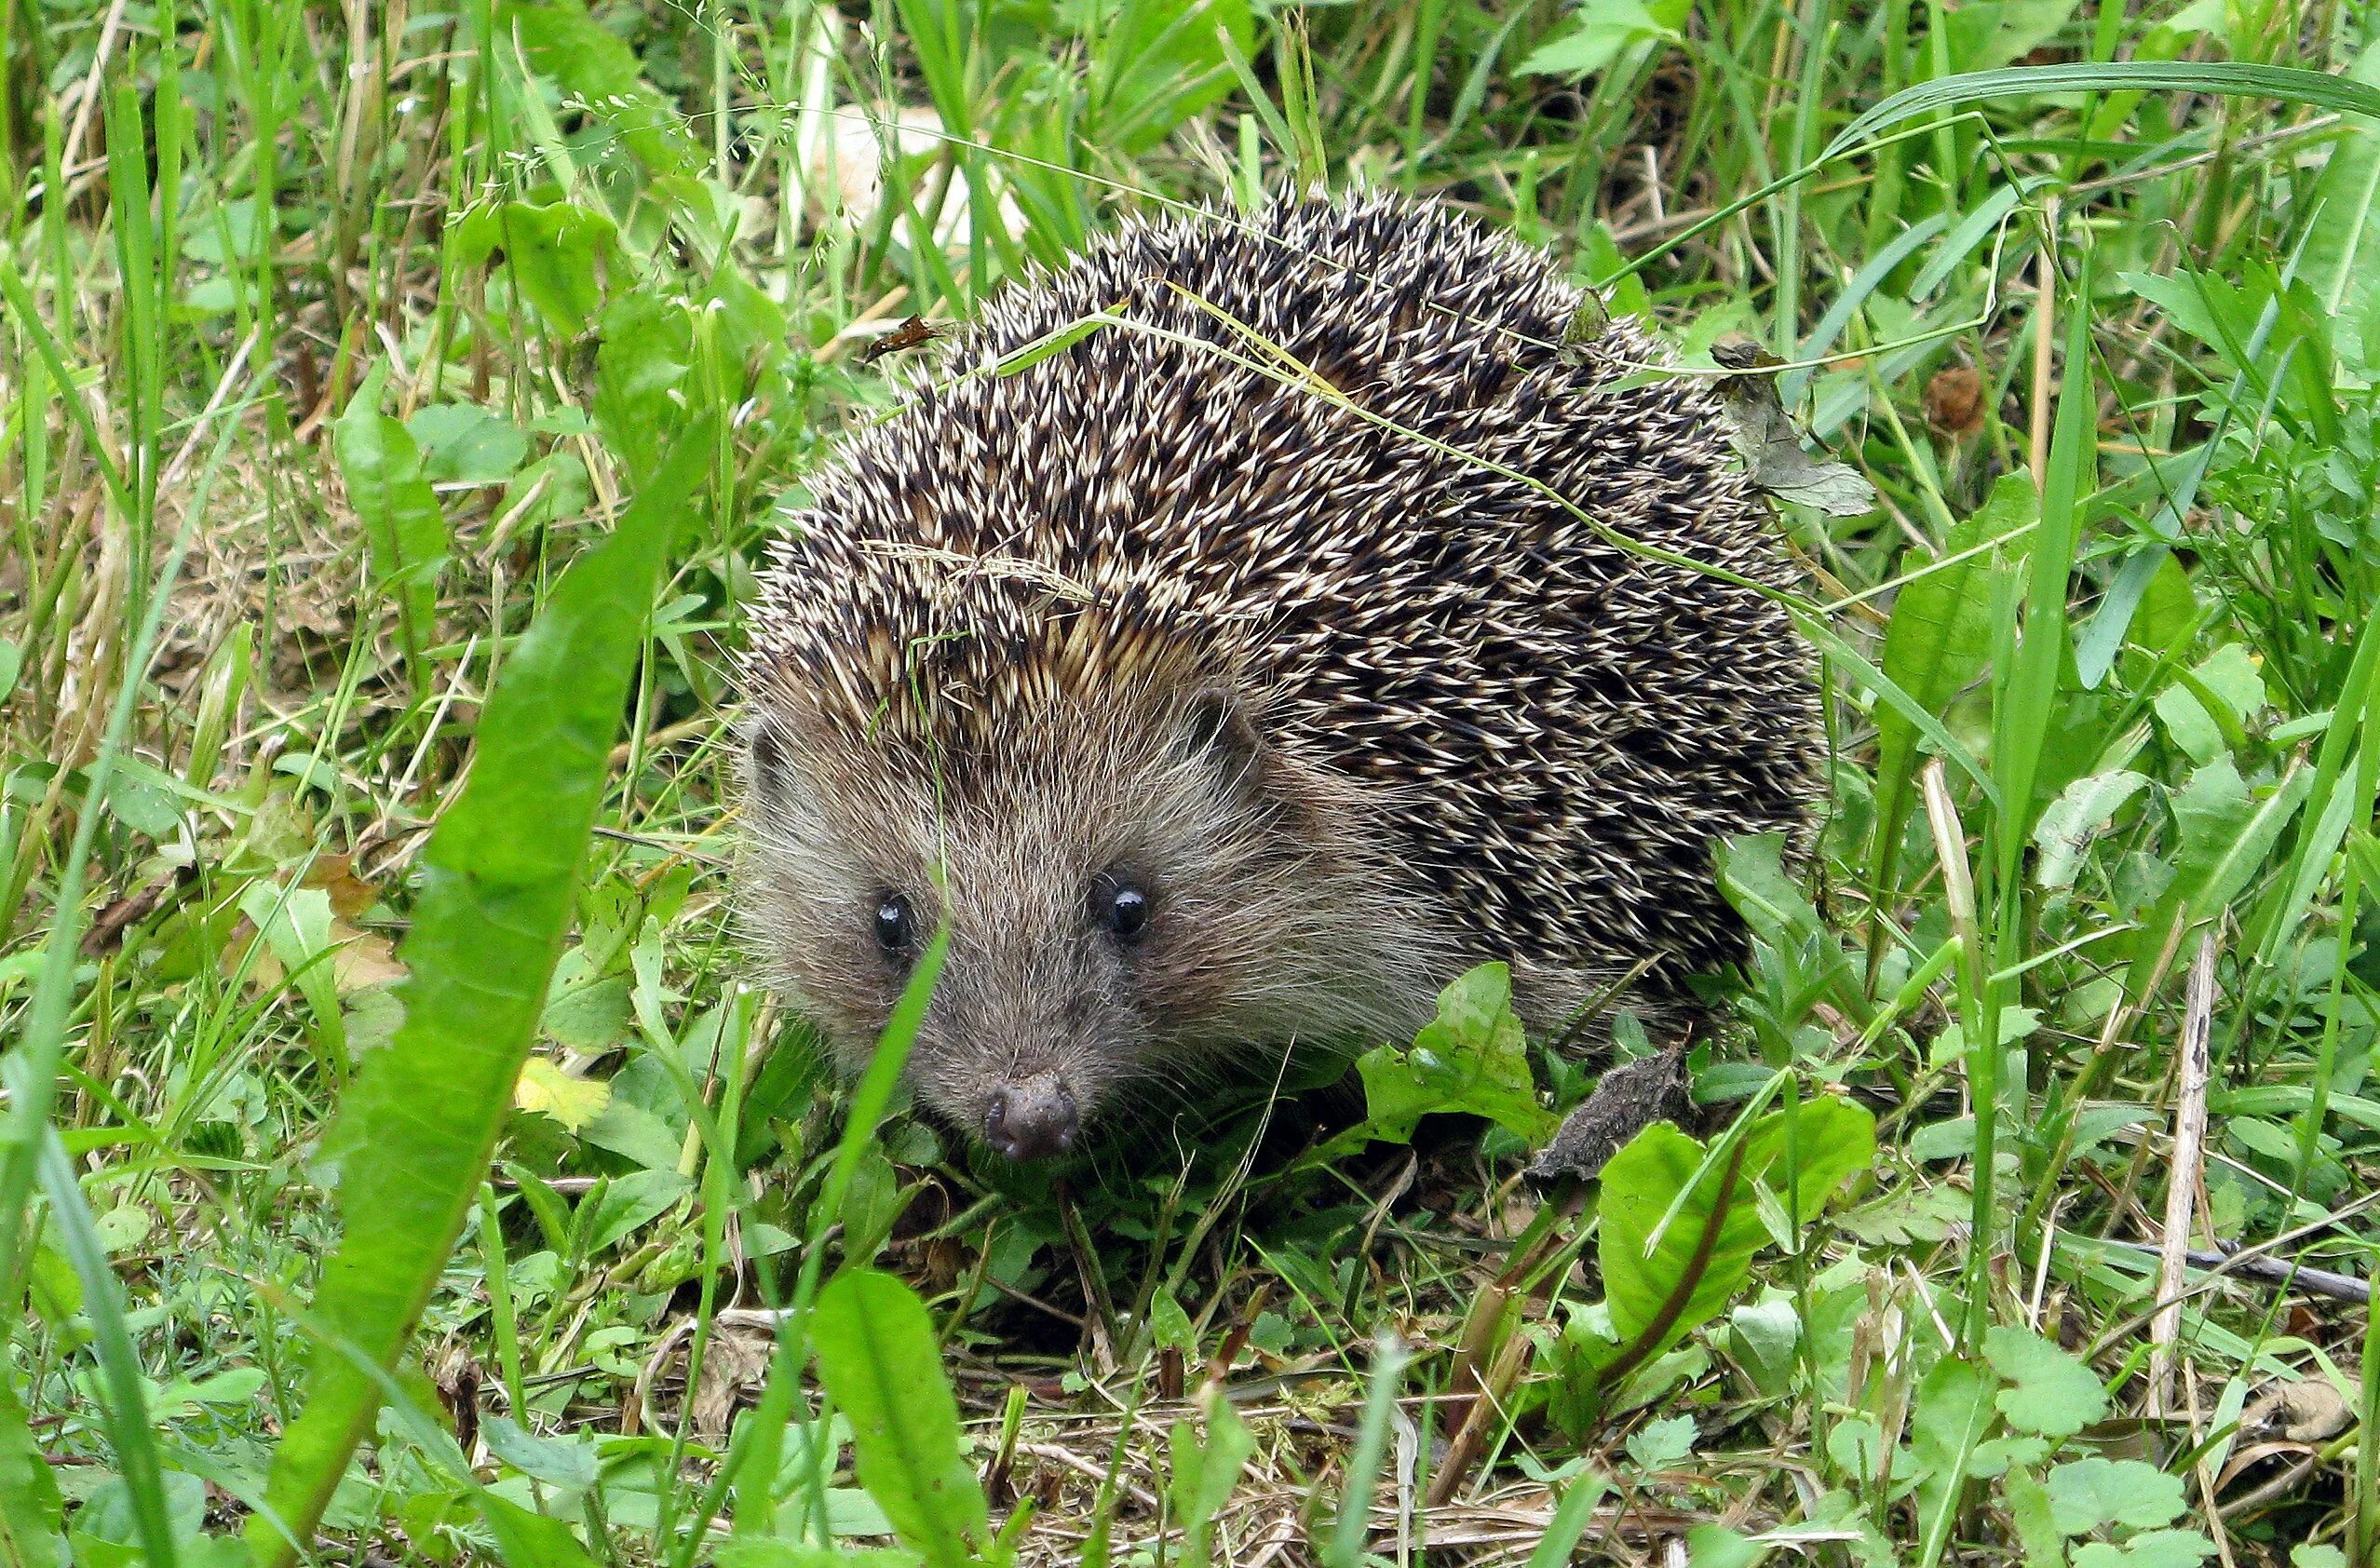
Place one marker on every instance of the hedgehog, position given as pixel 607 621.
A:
pixel 1246 629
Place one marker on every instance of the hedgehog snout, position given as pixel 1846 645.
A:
pixel 1033 1118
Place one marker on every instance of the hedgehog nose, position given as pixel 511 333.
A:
pixel 1033 1120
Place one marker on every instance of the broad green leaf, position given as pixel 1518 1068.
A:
pixel 1659 1293
pixel 295 923
pixel 647 348
pixel 2075 817
pixel 529 1540
pixel 1937 641
pixel 1952 1417
pixel 2340 258
pixel 2218 865
pixel 1679 1224
pixel 2230 679
pixel 32 1512
pixel 404 531
pixel 565 1462
pixel 1471 1058
pixel 544 1087
pixel 1204 1475
pixel 595 68
pixel 2050 1391
pixel 554 252
pixel 2091 1492
pixel 1764 1335
pixel 1169 1323
pixel 109 1519
pixel 2151 1549
pixel 1855 1444
pixel 1822 1141
pixel 499 880
pixel 879 1360
pixel 1600 31
pixel 1158 62
pixel 630 1203
pixel 2211 810
pixel 1751 873
pixel 465 443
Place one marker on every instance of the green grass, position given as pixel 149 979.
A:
pixel 395 405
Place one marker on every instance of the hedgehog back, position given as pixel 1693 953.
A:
pixel 1556 729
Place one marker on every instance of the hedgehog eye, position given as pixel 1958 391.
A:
pixel 1120 905
pixel 895 927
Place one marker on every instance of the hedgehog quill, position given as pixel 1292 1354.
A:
pixel 1210 715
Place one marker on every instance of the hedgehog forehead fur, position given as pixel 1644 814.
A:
pixel 1486 727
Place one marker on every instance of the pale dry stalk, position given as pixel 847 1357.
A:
pixel 2182 1182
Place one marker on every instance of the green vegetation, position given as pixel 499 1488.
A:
pixel 395 402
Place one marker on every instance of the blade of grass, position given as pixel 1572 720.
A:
pixel 2287 82
pixel 1572 1517
pixel 126 1411
pixel 1354 1528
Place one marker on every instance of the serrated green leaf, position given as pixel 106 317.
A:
pixel 499 883
pixel 1659 1445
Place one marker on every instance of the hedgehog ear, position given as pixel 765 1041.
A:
pixel 766 762
pixel 1220 728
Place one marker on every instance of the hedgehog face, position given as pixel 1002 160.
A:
pixel 1136 894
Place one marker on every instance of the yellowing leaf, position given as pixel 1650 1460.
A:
pixel 544 1087
pixel 362 958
